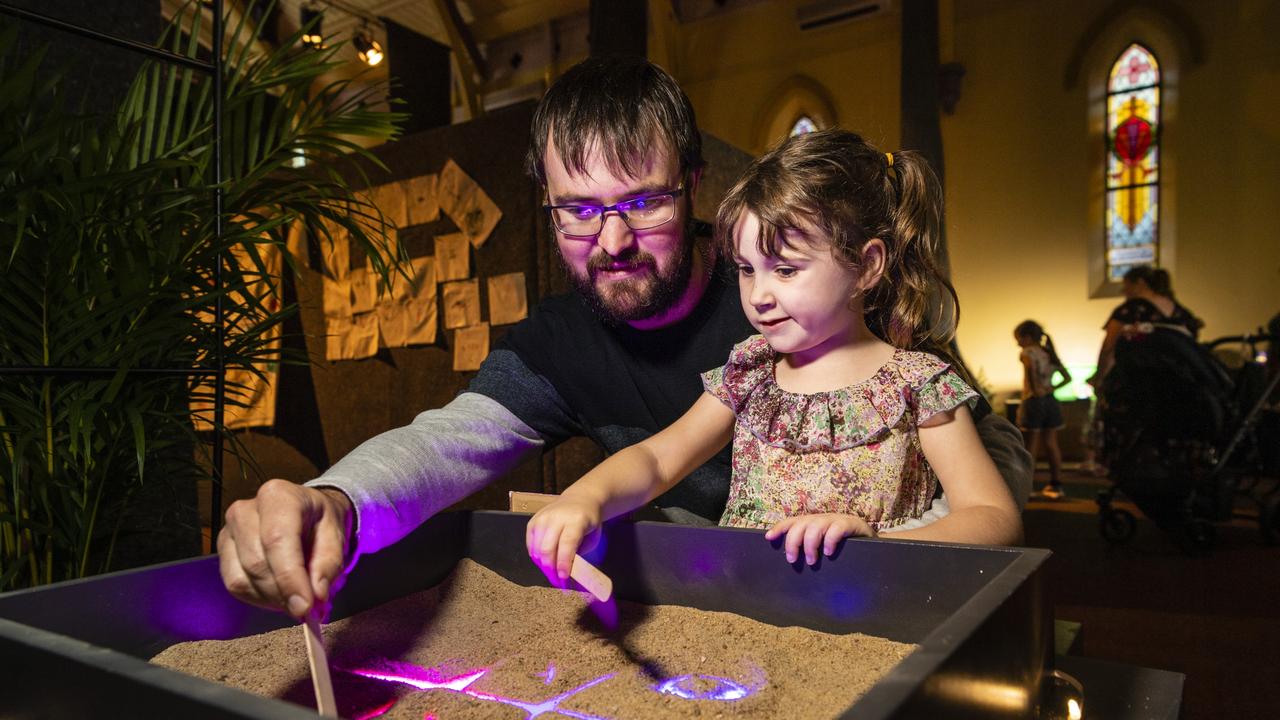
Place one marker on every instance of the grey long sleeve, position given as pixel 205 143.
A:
pixel 399 479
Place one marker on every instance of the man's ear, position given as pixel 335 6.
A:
pixel 874 261
pixel 695 179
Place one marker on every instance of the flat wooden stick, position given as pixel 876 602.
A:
pixel 586 574
pixel 590 577
pixel 319 661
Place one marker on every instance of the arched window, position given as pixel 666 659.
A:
pixel 1132 217
pixel 803 126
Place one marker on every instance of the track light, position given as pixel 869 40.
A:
pixel 312 22
pixel 367 49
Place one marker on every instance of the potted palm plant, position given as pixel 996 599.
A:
pixel 114 255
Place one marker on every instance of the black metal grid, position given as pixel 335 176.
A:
pixel 215 70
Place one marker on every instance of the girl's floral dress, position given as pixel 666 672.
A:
pixel 855 450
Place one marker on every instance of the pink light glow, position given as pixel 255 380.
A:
pixel 688 687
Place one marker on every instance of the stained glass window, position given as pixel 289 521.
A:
pixel 1133 162
pixel 803 126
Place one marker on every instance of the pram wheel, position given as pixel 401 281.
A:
pixel 1117 526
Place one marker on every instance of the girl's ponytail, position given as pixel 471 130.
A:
pixel 914 305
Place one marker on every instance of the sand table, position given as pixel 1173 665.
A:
pixel 480 646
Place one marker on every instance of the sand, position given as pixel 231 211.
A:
pixel 479 646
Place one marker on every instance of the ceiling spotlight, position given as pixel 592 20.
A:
pixel 312 20
pixel 367 49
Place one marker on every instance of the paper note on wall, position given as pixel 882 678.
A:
pixel 351 338
pixel 411 321
pixel 470 346
pixel 453 257
pixel 507 300
pixel 461 303
pixel 391 200
pixel 466 204
pixel 421 201
pixel 364 291
pixel 337 297
pixel 420 283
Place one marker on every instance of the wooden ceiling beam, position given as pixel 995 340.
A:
pixel 525 16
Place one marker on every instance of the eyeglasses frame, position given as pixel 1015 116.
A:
pixel 675 194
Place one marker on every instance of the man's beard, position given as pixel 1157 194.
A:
pixel 640 297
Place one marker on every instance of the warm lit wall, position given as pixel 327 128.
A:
pixel 1020 151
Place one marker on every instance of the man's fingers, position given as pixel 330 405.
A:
pixel 328 555
pixel 233 575
pixel 247 568
pixel 286 515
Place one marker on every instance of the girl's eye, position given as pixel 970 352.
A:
pixel 785 271
pixel 745 270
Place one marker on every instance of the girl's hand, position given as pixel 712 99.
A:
pixel 556 532
pixel 814 530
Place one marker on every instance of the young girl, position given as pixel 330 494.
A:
pixel 1039 414
pixel 841 425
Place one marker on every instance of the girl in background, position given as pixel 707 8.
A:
pixel 1039 414
pixel 846 411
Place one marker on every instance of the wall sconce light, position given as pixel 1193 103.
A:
pixel 367 49
pixel 312 22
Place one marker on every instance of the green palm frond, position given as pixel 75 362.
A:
pixel 109 252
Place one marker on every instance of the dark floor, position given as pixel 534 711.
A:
pixel 1214 616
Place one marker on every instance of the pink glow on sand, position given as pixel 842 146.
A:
pixel 688 687
pixel 431 679
pixel 378 711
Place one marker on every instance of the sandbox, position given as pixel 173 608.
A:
pixel 977 616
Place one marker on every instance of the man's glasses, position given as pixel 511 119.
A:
pixel 641 213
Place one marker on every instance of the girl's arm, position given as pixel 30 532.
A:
pixel 982 510
pixel 625 481
pixel 1064 377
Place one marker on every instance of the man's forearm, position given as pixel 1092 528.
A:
pixel 400 478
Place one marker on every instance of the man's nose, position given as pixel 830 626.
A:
pixel 615 237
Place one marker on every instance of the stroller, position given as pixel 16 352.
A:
pixel 1181 438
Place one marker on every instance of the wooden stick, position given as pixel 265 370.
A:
pixel 590 577
pixel 319 661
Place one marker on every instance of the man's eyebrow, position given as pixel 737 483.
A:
pixel 639 191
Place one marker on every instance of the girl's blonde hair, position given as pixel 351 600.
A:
pixel 842 185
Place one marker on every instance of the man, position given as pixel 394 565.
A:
pixel 615 146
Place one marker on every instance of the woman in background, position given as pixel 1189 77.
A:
pixel 1039 414
pixel 1148 302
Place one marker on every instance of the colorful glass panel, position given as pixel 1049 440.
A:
pixel 1133 162
pixel 803 126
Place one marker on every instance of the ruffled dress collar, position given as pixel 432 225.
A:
pixel 833 420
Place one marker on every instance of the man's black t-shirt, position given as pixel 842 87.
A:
pixel 564 372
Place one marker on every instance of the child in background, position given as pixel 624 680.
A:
pixel 1040 415
pixel 847 411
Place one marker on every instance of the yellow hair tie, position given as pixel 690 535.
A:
pixel 889 157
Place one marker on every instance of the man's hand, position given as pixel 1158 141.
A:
pixel 555 534
pixel 814 531
pixel 285 548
